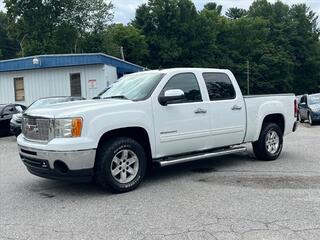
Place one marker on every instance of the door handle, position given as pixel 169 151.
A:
pixel 200 111
pixel 236 107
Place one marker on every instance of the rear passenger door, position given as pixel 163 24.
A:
pixel 227 110
pixel 182 126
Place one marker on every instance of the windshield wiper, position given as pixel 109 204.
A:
pixel 118 96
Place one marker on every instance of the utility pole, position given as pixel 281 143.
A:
pixel 20 43
pixel 248 77
pixel 121 52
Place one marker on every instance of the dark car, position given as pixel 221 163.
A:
pixel 6 113
pixel 309 108
pixel 15 124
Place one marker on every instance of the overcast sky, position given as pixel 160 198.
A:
pixel 125 9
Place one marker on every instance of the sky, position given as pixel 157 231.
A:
pixel 125 9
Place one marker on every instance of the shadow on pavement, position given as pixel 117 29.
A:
pixel 46 188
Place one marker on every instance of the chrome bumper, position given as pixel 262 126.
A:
pixel 75 160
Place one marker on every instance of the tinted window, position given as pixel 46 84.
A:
pixel 9 110
pixel 187 82
pixel 219 86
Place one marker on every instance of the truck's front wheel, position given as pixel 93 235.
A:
pixel 120 165
pixel 270 142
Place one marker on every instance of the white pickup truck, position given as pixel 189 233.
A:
pixel 159 117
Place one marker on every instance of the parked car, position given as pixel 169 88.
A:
pixel 15 123
pixel 161 117
pixel 309 108
pixel 6 113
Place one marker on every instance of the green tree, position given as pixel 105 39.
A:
pixel 235 13
pixel 132 40
pixel 8 47
pixel 212 6
pixel 55 26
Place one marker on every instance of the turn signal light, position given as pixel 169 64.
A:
pixel 76 127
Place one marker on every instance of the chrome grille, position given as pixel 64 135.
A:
pixel 36 128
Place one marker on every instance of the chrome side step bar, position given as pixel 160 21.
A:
pixel 184 159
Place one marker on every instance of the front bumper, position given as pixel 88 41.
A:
pixel 73 165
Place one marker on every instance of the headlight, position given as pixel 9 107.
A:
pixel 67 127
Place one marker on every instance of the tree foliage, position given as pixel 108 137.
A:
pixel 55 26
pixel 8 46
pixel 280 42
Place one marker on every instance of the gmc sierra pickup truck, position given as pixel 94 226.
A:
pixel 161 117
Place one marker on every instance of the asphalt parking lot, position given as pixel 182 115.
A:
pixel 234 197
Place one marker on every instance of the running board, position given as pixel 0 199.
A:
pixel 217 153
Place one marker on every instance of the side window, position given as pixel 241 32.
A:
pixel 219 86
pixel 19 89
pixel 188 83
pixel 9 110
pixel 19 108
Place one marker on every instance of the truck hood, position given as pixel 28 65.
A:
pixel 315 107
pixel 76 108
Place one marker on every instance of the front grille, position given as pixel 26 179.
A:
pixel 36 128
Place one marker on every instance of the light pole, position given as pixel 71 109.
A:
pixel 248 77
pixel 122 53
pixel 20 43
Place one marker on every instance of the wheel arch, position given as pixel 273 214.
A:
pixel 139 134
pixel 276 118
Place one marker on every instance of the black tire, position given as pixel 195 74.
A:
pixel 300 118
pixel 310 119
pixel 260 147
pixel 104 160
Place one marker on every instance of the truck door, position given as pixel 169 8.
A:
pixel 182 126
pixel 227 110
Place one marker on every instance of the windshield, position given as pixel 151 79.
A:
pixel 134 87
pixel 314 99
pixel 47 101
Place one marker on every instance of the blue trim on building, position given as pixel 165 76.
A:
pixel 67 60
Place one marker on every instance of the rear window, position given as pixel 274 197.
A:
pixel 219 86
pixel 2 107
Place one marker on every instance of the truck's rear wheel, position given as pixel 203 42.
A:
pixel 120 165
pixel 270 142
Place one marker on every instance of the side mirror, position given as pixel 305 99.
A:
pixel 303 104
pixel 170 96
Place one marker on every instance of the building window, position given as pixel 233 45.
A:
pixel 19 89
pixel 75 84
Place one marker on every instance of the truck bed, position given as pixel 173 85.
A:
pixel 258 106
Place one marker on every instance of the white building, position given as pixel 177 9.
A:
pixel 24 80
